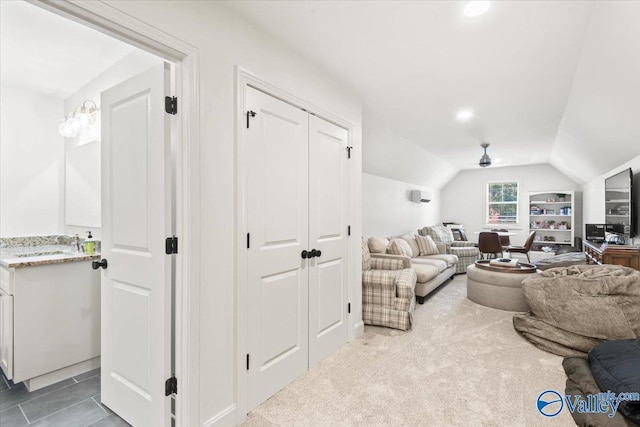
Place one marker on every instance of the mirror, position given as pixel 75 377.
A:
pixel 82 185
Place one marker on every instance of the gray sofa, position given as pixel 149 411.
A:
pixel 467 252
pixel 431 270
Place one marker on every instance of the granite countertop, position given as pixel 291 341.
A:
pixel 28 256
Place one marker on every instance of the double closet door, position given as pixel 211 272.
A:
pixel 296 200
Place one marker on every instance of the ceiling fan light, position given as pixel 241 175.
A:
pixel 485 160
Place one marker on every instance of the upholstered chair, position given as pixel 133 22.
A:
pixel 489 244
pixel 467 252
pixel 523 249
pixel 505 241
pixel 388 297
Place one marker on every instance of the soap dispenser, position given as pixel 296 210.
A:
pixel 89 244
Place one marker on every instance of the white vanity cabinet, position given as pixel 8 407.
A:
pixel 51 315
pixel 6 322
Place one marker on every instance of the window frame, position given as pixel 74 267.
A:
pixel 487 203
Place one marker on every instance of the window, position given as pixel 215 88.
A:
pixel 502 202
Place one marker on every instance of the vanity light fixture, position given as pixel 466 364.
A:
pixel 82 118
pixel 476 8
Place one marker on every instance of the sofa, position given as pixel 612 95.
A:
pixel 387 292
pixel 431 270
pixel 466 252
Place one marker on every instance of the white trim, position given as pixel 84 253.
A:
pixel 248 78
pixel 113 22
pixel 358 329
pixel 245 78
pixel 226 417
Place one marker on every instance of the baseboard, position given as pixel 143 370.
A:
pixel 226 417
pixel 358 330
pixel 49 378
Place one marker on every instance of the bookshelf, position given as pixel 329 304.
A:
pixel 555 217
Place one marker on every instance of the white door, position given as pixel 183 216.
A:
pixel 328 273
pixel 135 285
pixel 277 222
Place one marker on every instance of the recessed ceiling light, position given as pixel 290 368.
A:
pixel 476 8
pixel 464 115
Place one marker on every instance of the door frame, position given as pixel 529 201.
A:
pixel 246 78
pixel 185 127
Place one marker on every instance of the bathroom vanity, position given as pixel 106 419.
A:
pixel 49 315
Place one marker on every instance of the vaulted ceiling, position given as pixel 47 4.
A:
pixel 547 82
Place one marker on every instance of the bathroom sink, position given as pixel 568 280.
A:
pixel 34 254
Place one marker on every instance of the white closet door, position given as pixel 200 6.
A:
pixel 136 283
pixel 277 220
pixel 328 275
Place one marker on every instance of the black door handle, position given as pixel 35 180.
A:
pixel 305 254
pixel 315 253
pixel 95 264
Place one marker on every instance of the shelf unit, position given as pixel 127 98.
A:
pixel 618 209
pixel 555 219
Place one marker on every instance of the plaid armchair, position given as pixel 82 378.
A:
pixel 467 252
pixel 387 292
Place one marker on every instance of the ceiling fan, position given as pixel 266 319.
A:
pixel 485 160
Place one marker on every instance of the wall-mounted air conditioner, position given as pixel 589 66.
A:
pixel 420 196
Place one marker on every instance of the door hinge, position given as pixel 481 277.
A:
pixel 247 362
pixel 348 230
pixel 171 386
pixel 349 308
pixel 248 240
pixel 349 152
pixel 171 104
pixel 171 245
pixel 249 115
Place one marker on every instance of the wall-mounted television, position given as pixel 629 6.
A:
pixel 619 204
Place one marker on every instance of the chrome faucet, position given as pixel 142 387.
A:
pixel 75 241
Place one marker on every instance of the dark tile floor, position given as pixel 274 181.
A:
pixel 74 402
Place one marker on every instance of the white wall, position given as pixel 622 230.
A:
pixel 134 63
pixel 386 153
pixel 593 195
pixel 31 168
pixel 600 127
pixel 224 41
pixel 388 211
pixel 464 198
pixel 392 166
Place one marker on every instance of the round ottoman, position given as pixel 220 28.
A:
pixel 497 289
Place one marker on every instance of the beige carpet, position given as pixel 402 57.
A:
pixel 461 365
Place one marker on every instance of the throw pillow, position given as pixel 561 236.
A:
pixel 438 233
pixel 427 245
pixel 411 240
pixel 395 248
pixel 366 257
pixel 406 247
pixel 378 245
